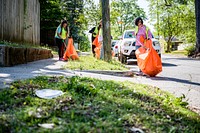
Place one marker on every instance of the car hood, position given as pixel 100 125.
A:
pixel 130 39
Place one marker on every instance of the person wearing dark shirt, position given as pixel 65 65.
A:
pixel 95 31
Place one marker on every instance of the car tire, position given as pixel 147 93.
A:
pixel 118 56
pixel 123 58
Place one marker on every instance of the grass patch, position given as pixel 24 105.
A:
pixel 91 63
pixel 20 45
pixel 179 52
pixel 27 45
pixel 92 105
pixel 190 50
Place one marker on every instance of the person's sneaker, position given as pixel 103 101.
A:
pixel 139 73
pixel 61 59
pixel 66 60
pixel 143 74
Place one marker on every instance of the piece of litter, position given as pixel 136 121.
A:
pixel 47 125
pixel 135 130
pixel 48 93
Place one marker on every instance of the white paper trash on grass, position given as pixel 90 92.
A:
pixel 48 93
pixel 47 125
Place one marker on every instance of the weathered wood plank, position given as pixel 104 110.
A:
pixel 16 24
pixel 1 20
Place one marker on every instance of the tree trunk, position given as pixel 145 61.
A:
pixel 106 30
pixel 169 43
pixel 197 12
pixel 168 46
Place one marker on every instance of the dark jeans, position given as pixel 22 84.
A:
pixel 60 45
pixel 93 47
pixel 137 47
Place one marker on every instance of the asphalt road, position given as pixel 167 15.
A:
pixel 180 75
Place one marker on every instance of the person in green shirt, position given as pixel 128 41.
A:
pixel 60 37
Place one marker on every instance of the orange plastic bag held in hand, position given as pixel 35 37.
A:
pixel 96 42
pixel 148 59
pixel 97 52
pixel 98 47
pixel 70 51
pixel 112 53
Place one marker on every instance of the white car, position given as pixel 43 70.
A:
pixel 128 48
pixel 113 43
pixel 116 47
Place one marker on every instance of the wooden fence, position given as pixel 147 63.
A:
pixel 20 21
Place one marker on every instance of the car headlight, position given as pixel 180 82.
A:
pixel 127 43
pixel 156 43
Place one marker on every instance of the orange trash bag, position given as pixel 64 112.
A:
pixel 70 51
pixel 148 59
pixel 112 53
pixel 98 47
pixel 97 52
pixel 95 42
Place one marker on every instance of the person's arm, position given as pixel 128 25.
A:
pixel 92 30
pixel 59 32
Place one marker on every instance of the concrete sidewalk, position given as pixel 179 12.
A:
pixel 53 67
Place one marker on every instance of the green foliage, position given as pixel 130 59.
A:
pixel 50 14
pixel 183 2
pixel 91 105
pixel 176 19
pixel 84 44
pixel 81 87
pixel 126 11
pixel 190 50
pixel 179 52
pixel 53 11
pixel 123 14
pixel 77 22
pixel 90 18
pixel 21 45
pixel 92 12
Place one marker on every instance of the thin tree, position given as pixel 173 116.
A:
pixel 106 30
pixel 197 13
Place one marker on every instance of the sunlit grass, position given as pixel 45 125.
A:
pixel 91 63
pixel 26 45
pixel 179 52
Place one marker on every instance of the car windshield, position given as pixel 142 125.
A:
pixel 129 34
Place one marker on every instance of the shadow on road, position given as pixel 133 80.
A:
pixel 176 80
pixel 164 64
pixel 184 59
pixel 168 64
pixel 132 63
